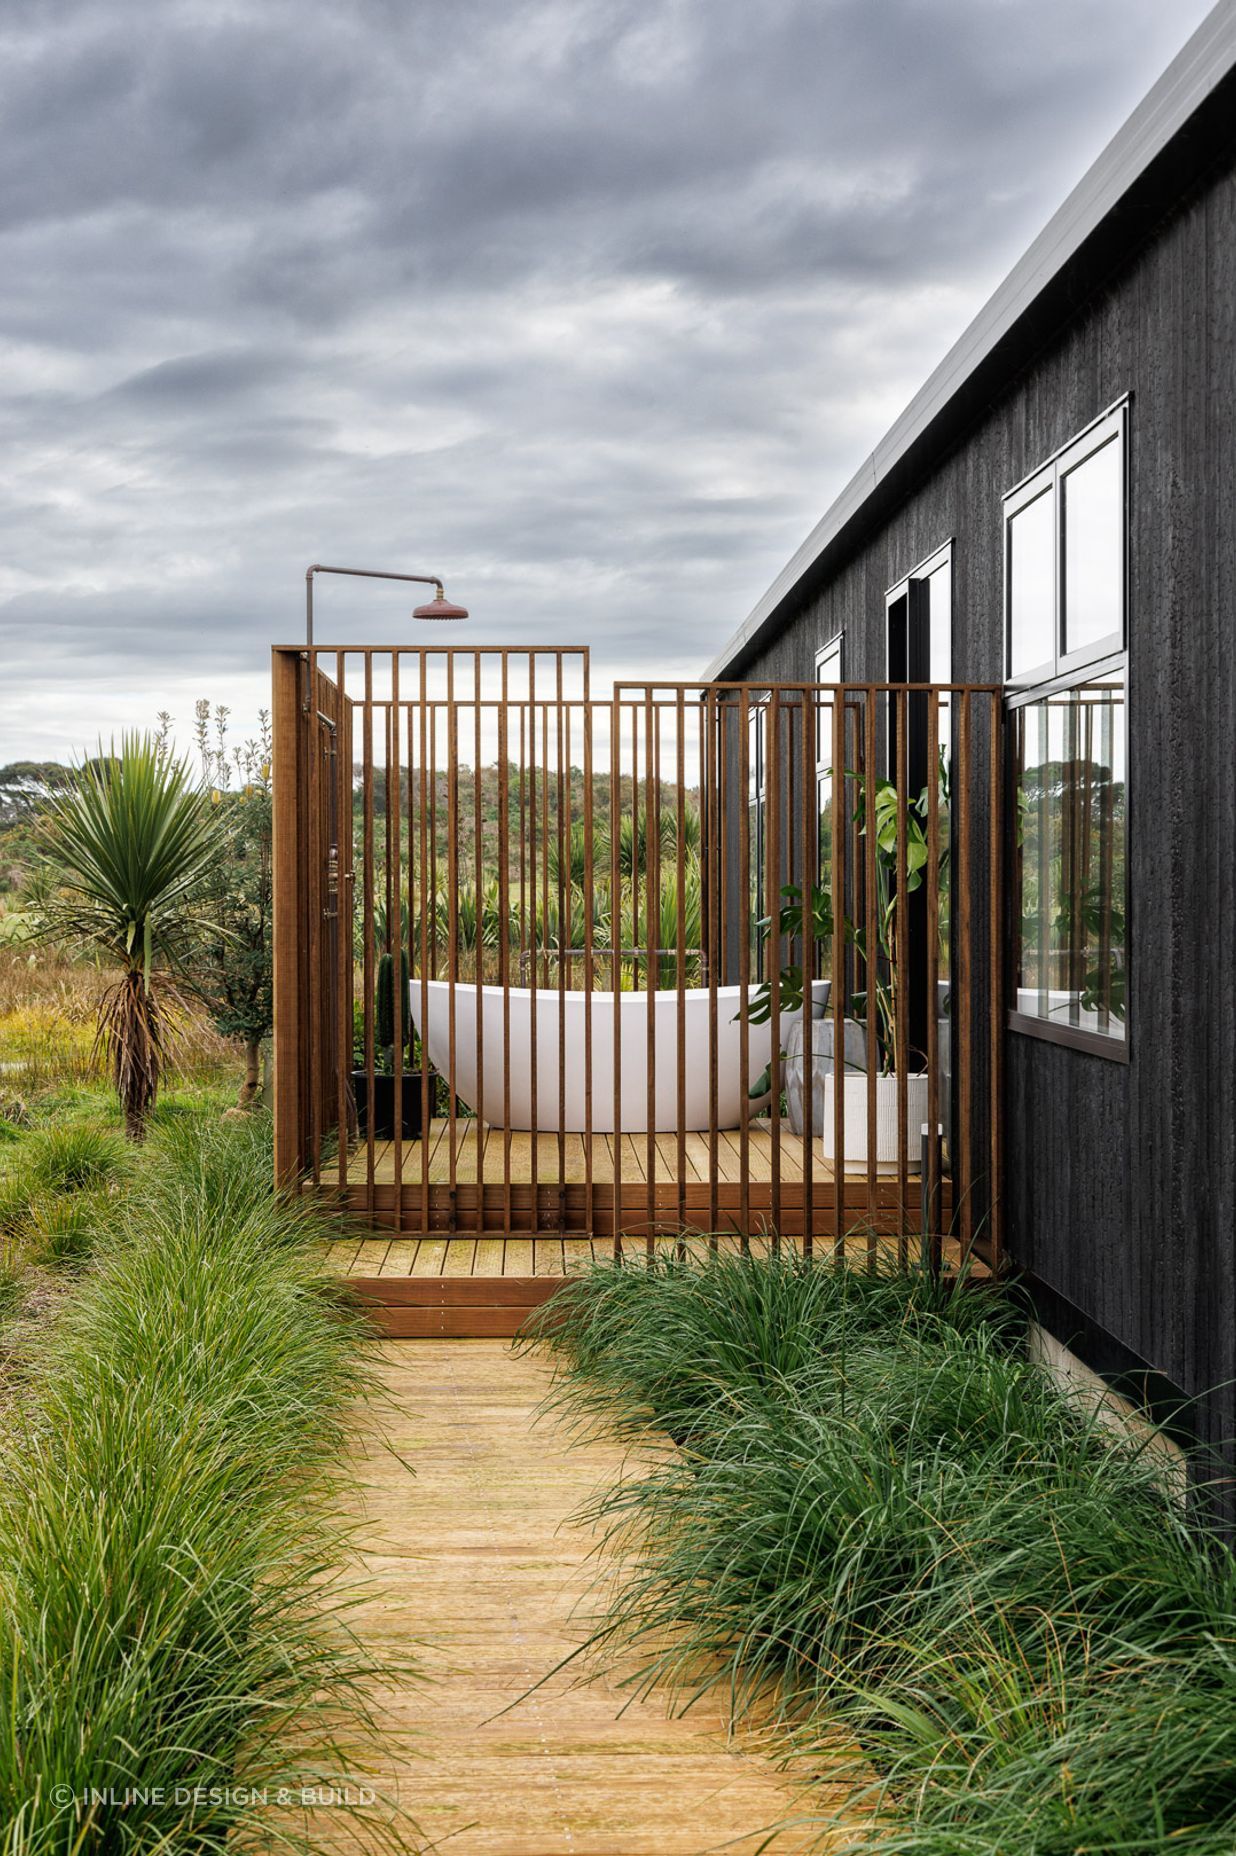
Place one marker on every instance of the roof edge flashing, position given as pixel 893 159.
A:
pixel 1203 63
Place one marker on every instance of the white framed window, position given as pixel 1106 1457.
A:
pixel 919 622
pixel 1066 557
pixel 1069 888
pixel 829 668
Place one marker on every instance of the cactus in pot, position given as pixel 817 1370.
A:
pixel 384 1008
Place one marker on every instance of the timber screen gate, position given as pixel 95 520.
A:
pixel 685 958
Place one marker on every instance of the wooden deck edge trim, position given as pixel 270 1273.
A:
pixel 453 1291
pixel 448 1323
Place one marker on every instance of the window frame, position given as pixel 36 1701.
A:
pixel 1048 479
pixel 925 571
pixel 756 802
pixel 1072 1037
pixel 835 647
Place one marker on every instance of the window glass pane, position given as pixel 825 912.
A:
pixel 1032 600
pixel 1070 870
pixel 755 832
pixel 1093 518
pixel 827 670
pixel 940 611
pixel 828 663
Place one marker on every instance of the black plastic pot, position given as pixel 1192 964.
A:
pixel 384 1105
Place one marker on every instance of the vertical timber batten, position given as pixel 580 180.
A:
pixel 561 1034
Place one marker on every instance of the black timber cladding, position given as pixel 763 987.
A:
pixel 1120 1187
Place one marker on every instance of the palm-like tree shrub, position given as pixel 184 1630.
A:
pixel 134 839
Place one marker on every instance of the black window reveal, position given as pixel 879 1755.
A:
pixel 919 622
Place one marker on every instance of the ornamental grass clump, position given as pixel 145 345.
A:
pixel 174 1584
pixel 885 1529
pixel 674 1345
pixel 57 1196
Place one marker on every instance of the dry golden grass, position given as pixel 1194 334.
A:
pixel 48 1014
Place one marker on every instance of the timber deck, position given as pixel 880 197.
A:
pixel 475 1569
pixel 549 1158
pixel 510 1182
pixel 486 1287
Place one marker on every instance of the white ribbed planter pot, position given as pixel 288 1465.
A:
pixel 854 1105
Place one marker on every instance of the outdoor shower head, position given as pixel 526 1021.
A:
pixel 440 607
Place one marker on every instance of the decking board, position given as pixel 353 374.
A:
pixel 465 1501
pixel 550 1164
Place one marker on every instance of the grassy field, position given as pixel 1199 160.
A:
pixel 65 1173
pixel 48 1011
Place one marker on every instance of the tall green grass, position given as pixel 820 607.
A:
pixel 56 1161
pixel 174 1574
pixel 884 1525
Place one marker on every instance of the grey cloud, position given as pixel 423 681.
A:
pixel 204 379
pixel 589 304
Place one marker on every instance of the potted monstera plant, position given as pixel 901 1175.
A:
pixel 817 910
pixel 882 957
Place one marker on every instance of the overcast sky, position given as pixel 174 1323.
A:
pixel 591 306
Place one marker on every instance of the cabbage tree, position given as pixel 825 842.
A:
pixel 133 838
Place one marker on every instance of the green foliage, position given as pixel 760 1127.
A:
pixel 811 922
pixel 27 785
pixel 384 1006
pixel 884 1527
pixel 55 1162
pixel 136 843
pixel 63 1230
pixel 1070 868
pixel 812 919
pixel 233 973
pixel 173 1590
pixel 544 918
pixel 72 1159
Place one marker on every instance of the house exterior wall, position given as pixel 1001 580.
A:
pixel 1120 1182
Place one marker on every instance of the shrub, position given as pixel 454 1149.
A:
pixel 174 1589
pixel 54 1162
pixel 673 1342
pixel 74 1158
pixel 63 1230
pixel 884 1521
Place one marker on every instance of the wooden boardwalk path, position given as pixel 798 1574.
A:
pixel 474 1555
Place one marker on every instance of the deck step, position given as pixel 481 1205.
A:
pixel 451 1307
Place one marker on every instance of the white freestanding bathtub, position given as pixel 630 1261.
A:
pixel 484 1094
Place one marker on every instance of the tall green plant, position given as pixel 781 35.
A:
pixel 176 1584
pixel 384 1008
pixel 135 841
pixel 811 919
pixel 233 976
pixel 956 1591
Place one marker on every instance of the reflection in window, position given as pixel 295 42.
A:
pixel 756 796
pixel 1070 869
pixel 1092 516
pixel 1032 586
pixel 1065 533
